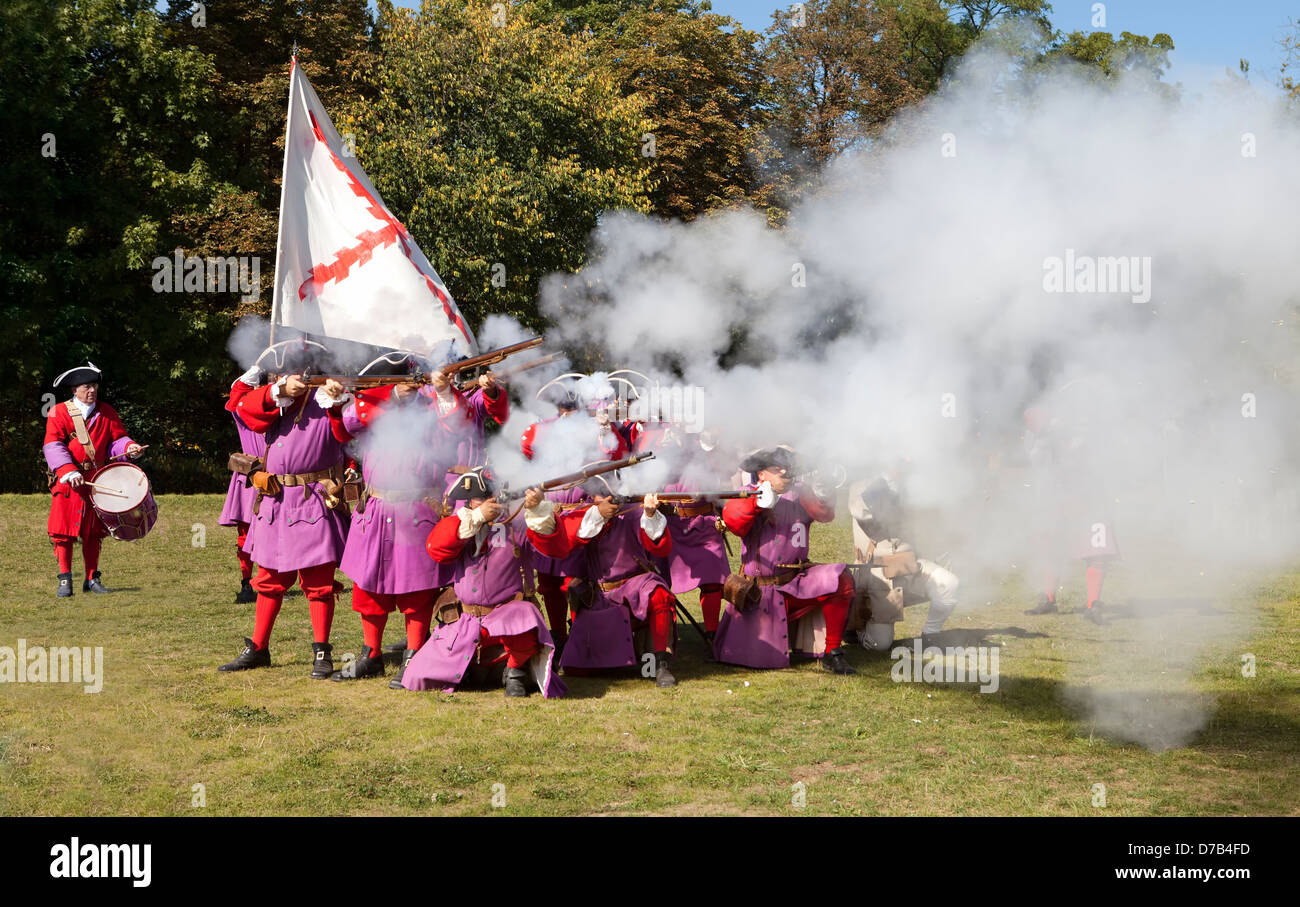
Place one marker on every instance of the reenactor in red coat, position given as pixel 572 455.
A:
pixel 81 435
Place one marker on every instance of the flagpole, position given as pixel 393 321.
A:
pixel 284 173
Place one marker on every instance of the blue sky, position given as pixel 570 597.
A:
pixel 1209 35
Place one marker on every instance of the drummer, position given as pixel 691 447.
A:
pixel 81 435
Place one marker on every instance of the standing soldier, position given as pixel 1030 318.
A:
pixel 81 435
pixel 463 419
pixel 699 555
pixel 774 530
pixel 297 534
pixel 494 617
pixel 618 543
pixel 238 509
pixel 385 553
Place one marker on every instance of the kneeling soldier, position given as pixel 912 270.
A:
pixel 494 617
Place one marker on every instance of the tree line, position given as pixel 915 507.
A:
pixel 497 132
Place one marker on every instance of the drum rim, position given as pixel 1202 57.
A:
pixel 107 509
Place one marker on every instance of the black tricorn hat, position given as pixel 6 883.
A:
pixel 769 457
pixel 473 484
pixel 82 374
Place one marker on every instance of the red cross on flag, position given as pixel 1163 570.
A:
pixel 345 266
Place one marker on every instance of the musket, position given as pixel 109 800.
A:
pixel 576 478
pixel 509 373
pixel 693 497
pixel 450 370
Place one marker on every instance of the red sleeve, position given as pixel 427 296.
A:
pixel 257 409
pixel 498 408
pixel 661 548
pixel 58 426
pixel 341 434
pixel 738 515
pixel 821 511
pixel 527 441
pixel 444 543
pixel 565 537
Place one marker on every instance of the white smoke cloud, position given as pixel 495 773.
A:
pixel 907 311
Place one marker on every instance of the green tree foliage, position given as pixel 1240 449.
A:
pixel 101 124
pixel 1104 57
pixel 700 76
pixel 935 34
pixel 498 144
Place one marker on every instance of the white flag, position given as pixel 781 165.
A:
pixel 345 266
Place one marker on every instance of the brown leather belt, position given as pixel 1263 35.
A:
pixel 397 497
pixel 614 584
pixel 779 580
pixel 481 611
pixel 292 479
pixel 704 508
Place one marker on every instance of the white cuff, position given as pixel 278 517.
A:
pixel 592 523
pixel 253 377
pixel 471 521
pixel 68 475
pixel 325 401
pixel 278 396
pixel 541 520
pixel 654 526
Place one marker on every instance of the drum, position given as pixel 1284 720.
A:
pixel 122 498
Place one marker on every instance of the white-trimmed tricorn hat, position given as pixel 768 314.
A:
pixel 781 455
pixel 82 374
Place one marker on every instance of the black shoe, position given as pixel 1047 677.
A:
pixel 663 676
pixel 1094 613
pixel 836 663
pixel 1045 606
pixel 65 586
pixel 322 664
pixel 399 646
pixel 249 658
pixel 396 682
pixel 247 594
pixel 370 664
pixel 708 647
pixel 559 651
pixel 94 585
pixel 516 682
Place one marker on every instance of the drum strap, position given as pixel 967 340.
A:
pixel 83 436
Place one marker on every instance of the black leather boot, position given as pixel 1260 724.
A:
pixel 663 676
pixel 249 658
pixel 708 649
pixel 1045 606
pixel 396 682
pixel 246 595
pixel 94 584
pixel 836 663
pixel 322 664
pixel 1095 613
pixel 370 664
pixel 516 682
pixel 65 586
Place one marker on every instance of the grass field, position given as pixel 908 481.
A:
pixel 725 741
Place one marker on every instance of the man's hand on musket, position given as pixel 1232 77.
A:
pixel 533 497
pixel 294 386
pixel 439 381
pixel 490 510
pixel 404 392
pixel 488 382
pixel 333 389
pixel 651 505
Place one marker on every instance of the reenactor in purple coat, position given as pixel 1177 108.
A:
pixel 624 585
pixel 495 618
pixel 297 534
pixel 238 509
pixel 403 470
pixel 774 530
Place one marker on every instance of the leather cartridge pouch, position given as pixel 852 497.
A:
pixel 266 482
pixel 245 464
pixel 901 564
pixel 447 610
pixel 742 591
pixel 582 593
